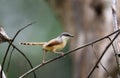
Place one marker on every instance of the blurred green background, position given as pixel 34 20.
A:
pixel 15 14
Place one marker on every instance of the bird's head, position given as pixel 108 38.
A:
pixel 66 35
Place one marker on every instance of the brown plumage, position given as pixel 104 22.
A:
pixel 53 45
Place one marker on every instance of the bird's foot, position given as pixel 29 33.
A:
pixel 62 53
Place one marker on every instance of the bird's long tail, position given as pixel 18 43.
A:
pixel 33 43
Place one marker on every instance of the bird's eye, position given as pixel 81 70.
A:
pixel 66 35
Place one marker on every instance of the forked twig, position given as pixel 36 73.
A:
pixel 22 29
pixel 102 55
pixel 10 43
pixel 116 58
pixel 25 58
pixel 94 51
pixel 115 24
pixel 58 57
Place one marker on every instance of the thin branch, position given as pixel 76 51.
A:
pixel 102 55
pixel 94 51
pixel 3 62
pixel 10 59
pixel 25 58
pixel 22 29
pixel 58 57
pixel 117 61
pixel 10 43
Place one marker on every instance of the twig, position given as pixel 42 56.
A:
pixel 117 61
pixel 25 58
pixel 10 59
pixel 22 29
pixel 10 43
pixel 102 55
pixel 58 57
pixel 94 51
pixel 3 62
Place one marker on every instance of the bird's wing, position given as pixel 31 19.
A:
pixel 33 43
pixel 53 42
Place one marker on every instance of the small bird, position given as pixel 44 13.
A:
pixel 54 45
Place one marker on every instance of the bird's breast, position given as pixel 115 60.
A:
pixel 57 47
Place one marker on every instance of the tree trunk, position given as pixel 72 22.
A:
pixel 88 20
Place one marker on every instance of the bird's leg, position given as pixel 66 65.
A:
pixel 59 53
pixel 44 55
pixel 62 53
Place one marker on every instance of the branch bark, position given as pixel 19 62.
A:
pixel 103 55
pixel 74 50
